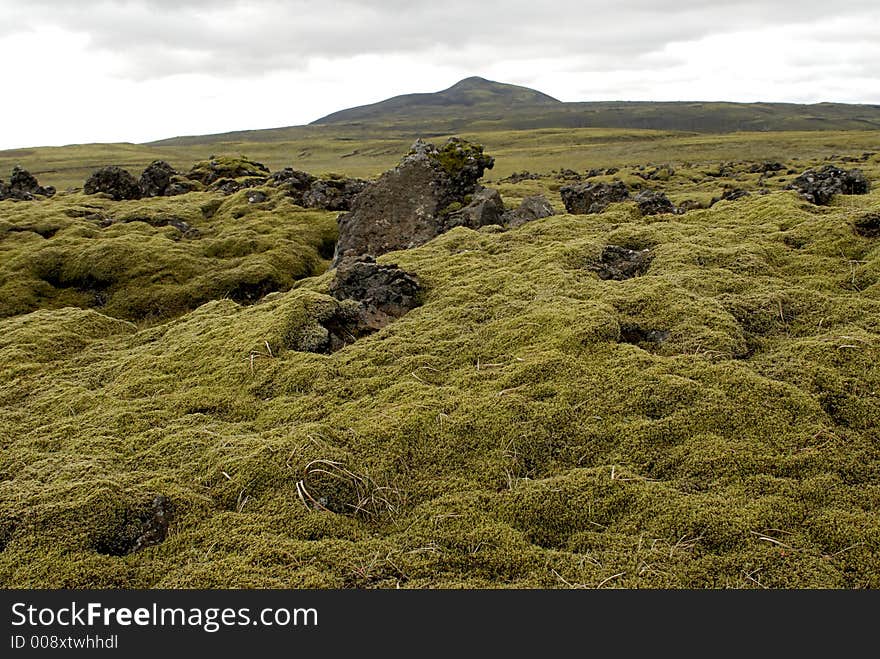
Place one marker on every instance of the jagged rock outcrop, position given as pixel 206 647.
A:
pixel 114 181
pixel 531 208
pixel 385 292
pixel 410 204
pixel 585 198
pixel 651 202
pixel 819 186
pixel 23 186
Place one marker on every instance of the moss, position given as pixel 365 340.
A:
pixel 506 433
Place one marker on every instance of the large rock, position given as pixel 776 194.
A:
pixel 651 202
pixel 585 198
pixel 531 208
pixel 114 181
pixel 23 186
pixel 156 179
pixel 410 204
pixel 820 185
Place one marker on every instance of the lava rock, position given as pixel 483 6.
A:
pixel 619 263
pixel 385 292
pixel 333 194
pixel 868 226
pixel 114 181
pixel 23 186
pixel 651 202
pixel 256 197
pixel 585 198
pixel 409 205
pixel 485 208
pixel 531 208
pixel 819 186
pixel 295 183
pixel 156 178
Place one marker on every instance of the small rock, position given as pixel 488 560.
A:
pixel 619 263
pixel 485 208
pixel 385 292
pixel 868 226
pixel 256 197
pixel 585 198
pixel 531 208
pixel 651 202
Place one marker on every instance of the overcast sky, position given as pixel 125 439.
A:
pixel 78 71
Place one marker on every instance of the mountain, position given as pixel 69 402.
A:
pixel 472 95
pixel 479 104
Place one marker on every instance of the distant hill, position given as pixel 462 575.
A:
pixel 479 104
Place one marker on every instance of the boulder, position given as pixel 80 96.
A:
pixel 584 198
pixel 156 179
pixel 651 202
pixel 410 204
pixel 531 208
pixel 114 181
pixel 486 207
pixel 819 186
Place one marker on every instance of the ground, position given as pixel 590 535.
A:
pixel 710 423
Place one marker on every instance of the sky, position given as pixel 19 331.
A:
pixel 77 71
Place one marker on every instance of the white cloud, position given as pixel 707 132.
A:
pixel 105 70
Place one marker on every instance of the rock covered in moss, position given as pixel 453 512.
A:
pixel 295 183
pixel 652 202
pixel 586 198
pixel 114 181
pixel 217 169
pixel 156 179
pixel 819 186
pixel 23 186
pixel 531 208
pixel 408 205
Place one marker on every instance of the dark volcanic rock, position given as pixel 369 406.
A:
pixel 115 181
pixel 587 198
pixel 868 226
pixel 518 177
pixel 256 197
pixel 485 208
pixel 385 292
pixel 531 208
pixel 137 528
pixel 295 183
pixel 619 263
pixel 766 168
pixel 23 186
pixel 408 205
pixel 333 194
pixel 156 178
pixel 651 202
pixel 820 186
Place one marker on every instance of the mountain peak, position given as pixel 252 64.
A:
pixel 471 94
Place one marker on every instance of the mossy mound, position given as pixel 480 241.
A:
pixel 156 258
pixel 711 422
